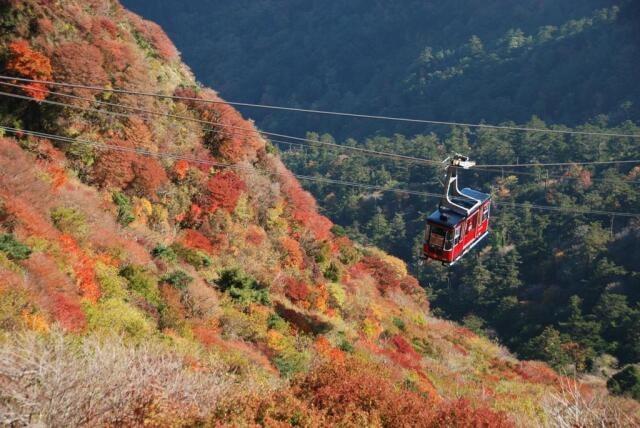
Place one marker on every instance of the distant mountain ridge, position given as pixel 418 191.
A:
pixel 564 63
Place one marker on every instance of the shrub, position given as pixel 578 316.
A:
pixel 112 284
pixel 399 323
pixel 178 279
pixel 242 287
pixel 115 316
pixel 297 291
pixel 165 253
pixel 195 258
pixel 14 249
pixel 142 283
pixel 70 221
pixel 626 382
pixel 332 272
pixel 125 209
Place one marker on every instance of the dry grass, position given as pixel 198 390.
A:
pixel 62 381
pixel 573 406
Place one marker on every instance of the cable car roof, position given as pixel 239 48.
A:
pixel 450 218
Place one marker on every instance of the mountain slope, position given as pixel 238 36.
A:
pixel 203 287
pixel 465 60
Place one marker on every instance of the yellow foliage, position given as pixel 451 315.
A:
pixel 371 328
pixel 337 293
pixel 243 211
pixel 276 340
pixel 35 322
pixel 275 221
pixel 397 265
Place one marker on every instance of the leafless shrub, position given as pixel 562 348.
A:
pixel 62 381
pixel 573 406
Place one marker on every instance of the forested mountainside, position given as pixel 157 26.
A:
pixel 160 266
pixel 464 60
pixel 557 286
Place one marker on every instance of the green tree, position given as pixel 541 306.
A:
pixel 626 382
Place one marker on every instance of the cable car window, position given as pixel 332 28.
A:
pixel 449 241
pixel 456 236
pixel 471 224
pixel 485 211
pixel 437 236
pixel 427 230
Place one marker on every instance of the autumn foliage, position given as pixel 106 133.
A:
pixel 27 63
pixel 296 290
pixel 304 209
pixel 224 190
pixel 293 255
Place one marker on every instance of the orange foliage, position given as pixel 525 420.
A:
pixel 224 190
pixel 324 348
pixel 196 240
pixel 180 169
pixel 354 392
pixel 25 62
pixel 83 267
pixel 293 253
pixel 31 221
pixel 68 313
pixel 206 335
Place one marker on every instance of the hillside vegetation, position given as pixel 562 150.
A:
pixel 464 60
pixel 159 291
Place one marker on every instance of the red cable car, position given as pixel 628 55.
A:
pixel 461 220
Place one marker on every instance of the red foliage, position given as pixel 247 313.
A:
pixel 460 413
pixel 114 168
pixel 304 209
pixel 149 176
pixel 294 256
pixel 255 235
pixel 80 62
pixel 196 240
pixel 537 372
pixel 385 275
pixel 296 290
pixel 235 139
pixel 27 63
pixel 410 285
pixel 83 267
pixel 68 313
pixel 224 190
pixel 192 218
